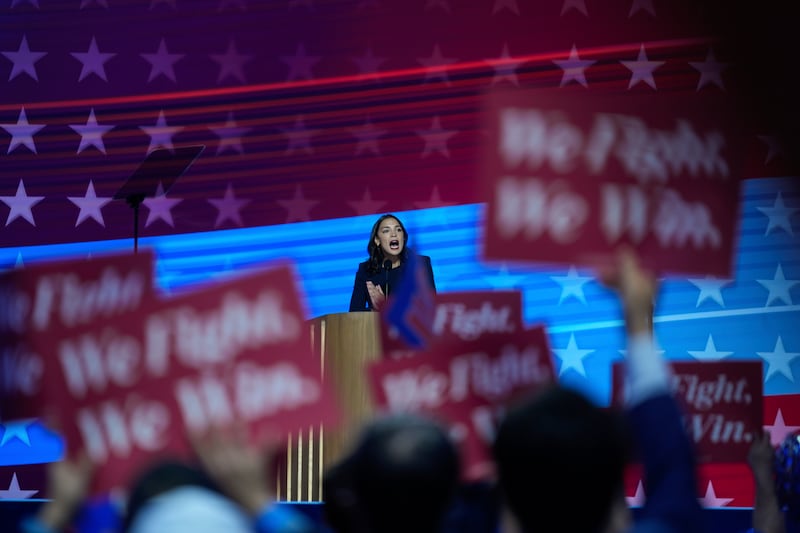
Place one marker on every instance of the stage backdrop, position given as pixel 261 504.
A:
pixel 313 111
pixel 751 317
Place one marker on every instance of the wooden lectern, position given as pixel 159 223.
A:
pixel 344 342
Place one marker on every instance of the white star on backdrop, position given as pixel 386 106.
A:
pixel 24 60
pixel 638 498
pixel 710 353
pixel 436 65
pixel 436 138
pixel 368 64
pixel 241 4
pixel 230 135
pixel 299 137
pixel 367 205
pixel 574 68
pixel 642 5
pixel 34 3
pixel 90 205
pixel 17 430
pixel 505 67
pixel 160 207
pixel 500 5
pixel 779 215
pixel 14 492
pixel 572 357
pixel 430 216
pixel 231 63
pixel 21 205
pixel 710 499
pixel 779 287
pixel 22 132
pixel 298 207
pixel 93 61
pixel 774 147
pixel 642 69
pixel 171 3
pixel 572 285
pixel 435 200
pixel 710 288
pixel 228 207
pixel 368 135
pixel 433 4
pixel 710 71
pixel 91 133
pixel 779 361
pixel 779 430
pixel 577 5
pixel 300 64
pixel 162 63
pixel 503 279
pixel 161 133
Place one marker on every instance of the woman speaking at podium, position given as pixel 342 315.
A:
pixel 381 273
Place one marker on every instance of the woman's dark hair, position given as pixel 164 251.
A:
pixel 376 252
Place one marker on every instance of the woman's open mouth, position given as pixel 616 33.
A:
pixel 394 244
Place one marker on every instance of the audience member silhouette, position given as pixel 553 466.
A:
pixel 400 477
pixel 560 459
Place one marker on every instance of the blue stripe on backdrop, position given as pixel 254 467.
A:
pixel 705 319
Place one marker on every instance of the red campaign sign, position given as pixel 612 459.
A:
pixel 570 177
pixel 132 387
pixel 466 385
pixel 722 405
pixel 462 317
pixel 54 298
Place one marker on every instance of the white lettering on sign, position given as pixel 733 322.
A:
pixel 21 371
pixel 533 208
pixel 485 420
pixel 530 208
pixel 97 361
pixel 678 221
pixel 469 375
pixel 247 393
pixel 469 324
pixel 76 302
pixel 623 212
pixel 499 376
pixel 203 402
pixel 110 429
pixel 705 394
pixel 14 308
pixel 200 339
pixel 261 391
pixel 414 389
pixel 717 429
pixel 537 138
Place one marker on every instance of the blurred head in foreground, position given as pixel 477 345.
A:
pixel 400 477
pixel 173 496
pixel 553 445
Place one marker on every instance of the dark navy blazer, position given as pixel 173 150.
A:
pixel 359 301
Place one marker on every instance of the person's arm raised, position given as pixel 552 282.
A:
pixel 647 373
pixel 767 516
pixel 655 418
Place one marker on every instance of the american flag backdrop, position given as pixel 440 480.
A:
pixel 314 111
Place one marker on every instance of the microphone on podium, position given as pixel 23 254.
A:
pixel 387 266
